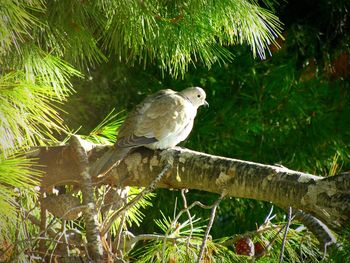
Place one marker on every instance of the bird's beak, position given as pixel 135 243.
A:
pixel 206 104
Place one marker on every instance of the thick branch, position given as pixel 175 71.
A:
pixel 325 198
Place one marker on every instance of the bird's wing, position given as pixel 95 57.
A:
pixel 147 123
pixel 153 120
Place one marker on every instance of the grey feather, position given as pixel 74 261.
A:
pixel 134 141
pixel 108 160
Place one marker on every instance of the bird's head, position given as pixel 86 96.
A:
pixel 196 95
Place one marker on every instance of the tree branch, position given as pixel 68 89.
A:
pixel 328 199
pixel 90 213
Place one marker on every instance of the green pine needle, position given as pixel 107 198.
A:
pixel 28 112
pixel 16 172
pixel 106 131
pixel 180 34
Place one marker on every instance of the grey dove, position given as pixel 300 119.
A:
pixel 160 121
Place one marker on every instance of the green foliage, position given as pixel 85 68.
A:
pixel 16 23
pixel 180 242
pixel 135 214
pixel 14 171
pixel 174 229
pixel 72 31
pixel 177 34
pixel 174 35
pixel 106 131
pixel 28 113
pixel 32 84
pixel 300 245
pixel 16 234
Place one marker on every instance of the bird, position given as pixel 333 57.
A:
pixel 161 121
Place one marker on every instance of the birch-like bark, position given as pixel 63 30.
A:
pixel 328 199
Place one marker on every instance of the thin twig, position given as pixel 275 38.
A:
pixel 141 195
pixel 166 236
pixel 146 237
pixel 272 241
pixel 189 218
pixel 42 221
pixel 269 217
pixel 210 224
pixel 53 242
pixel 26 215
pixel 285 234
pixel 100 203
pixel 120 231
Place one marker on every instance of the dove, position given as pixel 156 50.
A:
pixel 160 121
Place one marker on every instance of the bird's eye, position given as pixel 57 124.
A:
pixel 198 96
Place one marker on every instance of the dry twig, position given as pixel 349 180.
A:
pixel 210 224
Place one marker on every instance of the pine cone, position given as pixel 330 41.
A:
pixel 244 246
pixel 259 247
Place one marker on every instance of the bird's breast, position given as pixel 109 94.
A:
pixel 180 133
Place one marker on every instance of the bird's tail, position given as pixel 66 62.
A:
pixel 108 160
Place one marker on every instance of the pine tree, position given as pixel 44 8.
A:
pixel 48 45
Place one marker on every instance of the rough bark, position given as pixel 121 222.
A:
pixel 325 198
pixel 90 213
